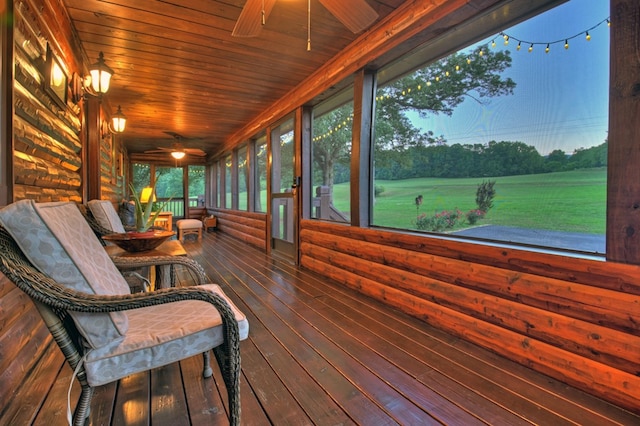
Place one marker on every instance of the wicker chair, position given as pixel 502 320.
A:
pixel 60 307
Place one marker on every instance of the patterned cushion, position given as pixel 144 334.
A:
pixel 159 335
pixel 106 215
pixel 56 238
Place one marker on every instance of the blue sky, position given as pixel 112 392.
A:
pixel 561 97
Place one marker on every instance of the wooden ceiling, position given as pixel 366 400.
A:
pixel 179 70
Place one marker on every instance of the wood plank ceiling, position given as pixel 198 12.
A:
pixel 178 68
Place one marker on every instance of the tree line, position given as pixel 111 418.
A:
pixel 493 159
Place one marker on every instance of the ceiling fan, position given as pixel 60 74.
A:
pixel 178 150
pixel 356 15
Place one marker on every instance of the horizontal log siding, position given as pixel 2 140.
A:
pixel 245 226
pixel 573 319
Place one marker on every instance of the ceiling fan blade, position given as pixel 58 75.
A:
pixel 195 151
pixel 250 21
pixel 356 15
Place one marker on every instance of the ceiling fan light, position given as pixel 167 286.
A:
pixel 178 155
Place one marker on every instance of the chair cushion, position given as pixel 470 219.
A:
pixel 161 334
pixel 106 215
pixel 58 241
pixel 189 224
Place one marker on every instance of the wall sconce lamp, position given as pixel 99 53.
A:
pixel 178 155
pixel 97 82
pixel 118 121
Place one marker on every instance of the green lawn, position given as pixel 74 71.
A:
pixel 566 201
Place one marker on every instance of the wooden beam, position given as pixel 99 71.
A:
pixel 361 148
pixel 623 184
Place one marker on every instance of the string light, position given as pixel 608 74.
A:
pixel 548 44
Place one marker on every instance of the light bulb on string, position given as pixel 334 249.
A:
pixel 566 44
pixel 506 39
pixel 531 48
pixel 546 49
pixel 588 36
pixel 493 43
pixel 519 46
pixel 608 23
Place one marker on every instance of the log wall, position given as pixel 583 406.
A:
pixel 573 319
pixel 48 146
pixel 245 226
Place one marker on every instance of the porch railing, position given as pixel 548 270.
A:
pixel 176 205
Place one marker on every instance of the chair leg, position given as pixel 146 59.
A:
pixel 207 371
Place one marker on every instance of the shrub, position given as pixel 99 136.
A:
pixel 378 189
pixel 485 194
pixel 441 221
pixel 474 215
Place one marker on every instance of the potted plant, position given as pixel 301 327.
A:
pixel 144 213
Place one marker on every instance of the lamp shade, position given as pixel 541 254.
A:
pixel 100 76
pixel 118 121
pixel 146 194
pixel 178 154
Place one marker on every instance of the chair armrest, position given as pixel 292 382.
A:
pixel 197 271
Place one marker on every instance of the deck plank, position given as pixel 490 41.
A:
pixel 131 403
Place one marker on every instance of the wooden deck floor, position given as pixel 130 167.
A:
pixel 321 354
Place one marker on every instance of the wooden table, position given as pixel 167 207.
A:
pixel 165 220
pixel 163 273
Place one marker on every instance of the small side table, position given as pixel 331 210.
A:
pixel 164 273
pixel 210 222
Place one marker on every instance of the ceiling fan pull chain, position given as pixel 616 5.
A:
pixel 263 17
pixel 308 25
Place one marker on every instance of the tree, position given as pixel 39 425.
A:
pixel 439 88
pixel 435 89
pixel 332 143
